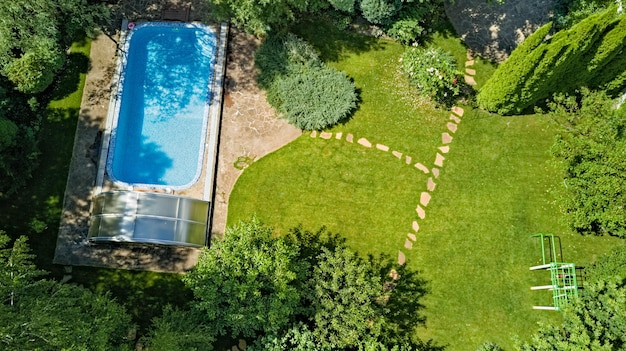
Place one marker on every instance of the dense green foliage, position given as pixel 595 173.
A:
pixel 247 283
pixel 38 314
pixel 597 319
pixel 180 330
pixel 306 92
pixel 345 291
pixel 34 35
pixel 304 289
pixel 403 20
pixel 569 12
pixel 590 149
pixel 432 71
pixel 587 54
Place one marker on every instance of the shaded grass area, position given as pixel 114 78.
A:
pixel 144 294
pixel 474 246
pixel 35 210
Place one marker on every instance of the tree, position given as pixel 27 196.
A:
pixel 48 315
pixel 260 16
pixel 589 151
pixel 545 66
pixel 34 35
pixel 180 330
pixel 347 298
pixel 246 283
pixel 597 320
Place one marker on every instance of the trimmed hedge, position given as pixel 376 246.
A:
pixel 306 92
pixel 585 55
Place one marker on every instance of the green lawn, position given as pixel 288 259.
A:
pixel 495 190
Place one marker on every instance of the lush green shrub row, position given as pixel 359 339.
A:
pixel 433 71
pixel 403 20
pixel 588 54
pixel 309 94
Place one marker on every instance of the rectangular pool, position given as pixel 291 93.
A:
pixel 160 124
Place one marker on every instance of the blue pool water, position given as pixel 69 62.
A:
pixel 165 91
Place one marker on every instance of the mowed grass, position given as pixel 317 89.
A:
pixel 494 191
pixel 474 246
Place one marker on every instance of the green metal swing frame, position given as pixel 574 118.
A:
pixel 562 274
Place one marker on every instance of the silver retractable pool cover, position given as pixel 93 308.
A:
pixel 128 216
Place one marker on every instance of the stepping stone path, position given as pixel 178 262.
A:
pixel 469 72
pixel 426 196
pixel 446 140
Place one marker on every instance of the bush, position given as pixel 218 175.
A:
pixel 313 97
pixel 433 71
pixel 300 87
pixel 380 11
pixel 569 12
pixel 585 55
pixel 489 346
pixel 410 22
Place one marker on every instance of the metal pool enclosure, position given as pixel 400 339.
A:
pixel 142 217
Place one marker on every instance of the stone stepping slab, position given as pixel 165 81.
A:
pixel 451 127
pixel 425 198
pixel 458 111
pixel 469 63
pixel 456 119
pixel 439 160
pixel 446 138
pixel 420 212
pixel 411 236
pixel 364 142
pixel 444 149
pixel 401 258
pixel 470 80
pixel 326 135
pixel 471 72
pixel 430 185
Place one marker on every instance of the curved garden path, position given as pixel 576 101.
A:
pixel 433 169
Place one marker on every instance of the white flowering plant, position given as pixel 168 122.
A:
pixel 432 71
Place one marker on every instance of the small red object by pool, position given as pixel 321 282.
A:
pixel 131 25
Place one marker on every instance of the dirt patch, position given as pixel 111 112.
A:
pixel 250 129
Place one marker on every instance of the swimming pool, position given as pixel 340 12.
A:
pixel 164 95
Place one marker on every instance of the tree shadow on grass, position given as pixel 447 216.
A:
pixel 335 44
pixel 69 80
pixel 144 294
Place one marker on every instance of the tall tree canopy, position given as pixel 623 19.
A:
pixel 34 35
pixel 246 283
pixel 37 314
pixel 302 291
pixel 590 150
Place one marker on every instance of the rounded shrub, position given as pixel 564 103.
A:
pixel 306 92
pixel 313 97
pixel 433 71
